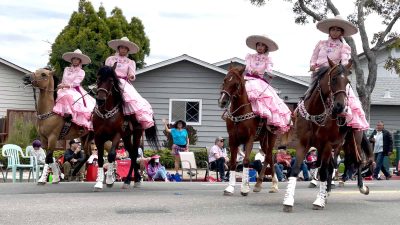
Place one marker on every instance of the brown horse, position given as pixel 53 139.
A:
pixel 49 124
pixel 109 123
pixel 245 128
pixel 319 123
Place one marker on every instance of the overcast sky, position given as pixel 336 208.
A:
pixel 210 30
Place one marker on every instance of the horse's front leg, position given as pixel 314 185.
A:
pixel 232 168
pixel 325 174
pixel 49 163
pixel 100 170
pixel 111 174
pixel 245 187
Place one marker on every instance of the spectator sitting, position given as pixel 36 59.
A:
pixel 258 160
pixel 72 157
pixel 155 170
pixel 37 151
pixel 94 156
pixel 218 157
pixel 121 152
pixel 303 168
pixel 283 160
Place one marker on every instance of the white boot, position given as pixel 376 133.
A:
pixel 232 182
pixel 245 187
pixel 56 173
pixel 110 174
pixel 43 178
pixel 320 202
pixel 289 195
pixel 99 179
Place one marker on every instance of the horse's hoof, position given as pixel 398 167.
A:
pixel 312 185
pixel 273 190
pixel 97 189
pixel 227 193
pixel 110 185
pixel 256 189
pixel 366 191
pixel 137 184
pixel 317 207
pixel 244 193
pixel 341 183
pixel 125 186
pixel 41 183
pixel 287 208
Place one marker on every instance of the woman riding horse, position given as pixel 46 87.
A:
pixel 73 102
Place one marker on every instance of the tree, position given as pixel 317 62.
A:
pixel 90 31
pixel 389 12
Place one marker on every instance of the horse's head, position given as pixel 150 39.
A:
pixel 333 84
pixel 41 78
pixel 232 87
pixel 107 85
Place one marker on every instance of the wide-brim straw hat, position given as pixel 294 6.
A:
pixel 114 44
pixel 76 54
pixel 252 41
pixel 337 21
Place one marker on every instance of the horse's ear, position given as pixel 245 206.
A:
pixel 242 69
pixel 331 63
pixel 114 66
pixel 349 65
pixel 52 73
pixel 230 66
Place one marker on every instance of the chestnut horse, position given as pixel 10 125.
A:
pixel 109 123
pixel 245 128
pixel 49 124
pixel 320 123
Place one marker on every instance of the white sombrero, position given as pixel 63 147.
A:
pixel 252 40
pixel 76 54
pixel 337 21
pixel 114 44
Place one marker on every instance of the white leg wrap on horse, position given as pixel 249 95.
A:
pixel 321 197
pixel 56 172
pixel 275 182
pixel 232 182
pixel 43 178
pixel 315 182
pixel 110 176
pixel 245 188
pixel 289 195
pixel 100 178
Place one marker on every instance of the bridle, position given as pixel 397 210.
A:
pixel 108 113
pixel 320 119
pixel 229 113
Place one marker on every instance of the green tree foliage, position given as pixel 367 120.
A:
pixel 389 13
pixel 90 31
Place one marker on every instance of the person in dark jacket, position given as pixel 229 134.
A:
pixel 383 146
pixel 72 157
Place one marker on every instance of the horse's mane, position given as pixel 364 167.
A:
pixel 104 73
pixel 318 76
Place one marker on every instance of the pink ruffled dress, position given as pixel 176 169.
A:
pixel 134 102
pixel 338 51
pixel 75 100
pixel 265 102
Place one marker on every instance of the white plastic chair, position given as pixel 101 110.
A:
pixel 188 162
pixel 13 152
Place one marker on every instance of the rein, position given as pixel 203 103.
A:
pixel 320 119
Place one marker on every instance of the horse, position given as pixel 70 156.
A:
pixel 319 123
pixel 109 123
pixel 51 126
pixel 244 127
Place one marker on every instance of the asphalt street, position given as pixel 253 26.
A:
pixel 193 203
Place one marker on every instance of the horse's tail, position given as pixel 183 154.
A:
pixel 366 147
pixel 152 137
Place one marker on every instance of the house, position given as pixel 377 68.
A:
pixel 188 88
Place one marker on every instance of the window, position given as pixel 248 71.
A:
pixel 188 110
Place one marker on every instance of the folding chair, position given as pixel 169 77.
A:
pixel 188 162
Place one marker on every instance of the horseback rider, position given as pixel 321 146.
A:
pixel 134 104
pixel 339 52
pixel 265 102
pixel 73 102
